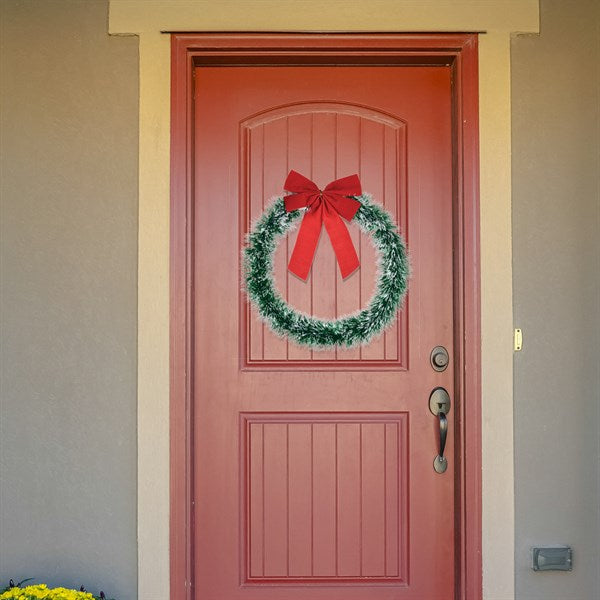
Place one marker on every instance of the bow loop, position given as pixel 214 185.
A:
pixel 325 207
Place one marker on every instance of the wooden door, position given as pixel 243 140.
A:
pixel 314 468
pixel 311 472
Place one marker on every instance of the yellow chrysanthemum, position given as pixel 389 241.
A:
pixel 41 592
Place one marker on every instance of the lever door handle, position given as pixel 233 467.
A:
pixel 439 405
pixel 440 463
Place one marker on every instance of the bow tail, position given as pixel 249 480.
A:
pixel 306 243
pixel 342 243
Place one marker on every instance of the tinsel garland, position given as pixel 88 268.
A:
pixel 348 331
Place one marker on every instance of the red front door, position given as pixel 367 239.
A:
pixel 313 474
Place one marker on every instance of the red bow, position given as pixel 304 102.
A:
pixel 324 207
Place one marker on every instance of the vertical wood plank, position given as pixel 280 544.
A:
pixel 255 209
pixel 324 267
pixel 299 498
pixel 403 495
pixel 275 171
pixel 324 499
pixel 275 499
pixel 372 182
pixel 392 504
pixel 373 499
pixel 390 202
pixel 256 505
pixel 348 154
pixel 299 159
pixel 349 498
pixel 402 221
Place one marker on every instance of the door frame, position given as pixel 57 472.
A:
pixel 459 51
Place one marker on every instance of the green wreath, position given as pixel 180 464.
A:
pixel 348 331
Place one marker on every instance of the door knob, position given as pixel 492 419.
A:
pixel 439 405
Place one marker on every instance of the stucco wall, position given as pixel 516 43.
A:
pixel 556 268
pixel 69 233
pixel 69 96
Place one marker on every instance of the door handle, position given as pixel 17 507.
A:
pixel 440 463
pixel 439 405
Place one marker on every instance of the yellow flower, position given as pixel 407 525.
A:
pixel 41 592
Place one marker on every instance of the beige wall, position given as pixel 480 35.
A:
pixel 69 96
pixel 556 266
pixel 69 249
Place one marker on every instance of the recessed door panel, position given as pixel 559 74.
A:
pixel 325 498
pixel 324 141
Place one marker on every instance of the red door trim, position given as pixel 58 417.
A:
pixel 457 50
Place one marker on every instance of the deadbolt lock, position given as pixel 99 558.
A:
pixel 439 358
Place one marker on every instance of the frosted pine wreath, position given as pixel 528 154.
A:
pixel 341 198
